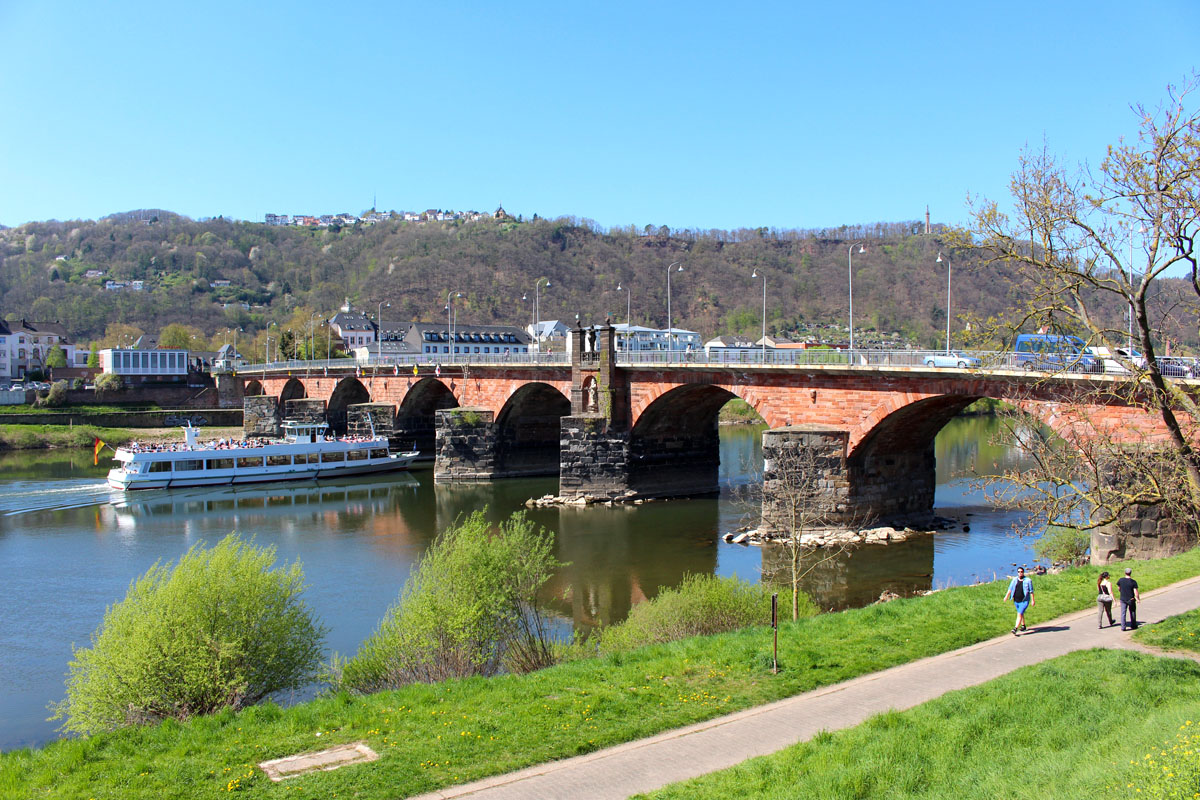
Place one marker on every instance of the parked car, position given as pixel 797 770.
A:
pixel 1053 352
pixel 953 359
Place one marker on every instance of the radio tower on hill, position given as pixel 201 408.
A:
pixel 927 231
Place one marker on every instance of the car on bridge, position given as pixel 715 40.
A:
pixel 1052 352
pixel 953 358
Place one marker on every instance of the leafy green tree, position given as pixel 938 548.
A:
pixel 181 337
pixel 108 383
pixel 56 357
pixel 469 609
pixel 223 628
pixel 93 360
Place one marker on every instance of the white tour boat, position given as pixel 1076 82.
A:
pixel 306 452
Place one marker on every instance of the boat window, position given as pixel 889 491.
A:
pixel 357 455
pixel 279 461
pixel 246 462
pixel 219 463
pixel 188 466
pixel 332 458
pixel 160 466
pixel 381 453
pixel 304 458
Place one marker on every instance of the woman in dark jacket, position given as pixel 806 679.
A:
pixel 1104 598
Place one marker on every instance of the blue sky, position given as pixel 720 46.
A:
pixel 700 115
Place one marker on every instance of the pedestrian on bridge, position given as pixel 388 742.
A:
pixel 1020 591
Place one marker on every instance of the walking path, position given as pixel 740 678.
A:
pixel 676 755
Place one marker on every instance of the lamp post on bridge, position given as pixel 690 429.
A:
pixel 670 327
pixel 379 323
pixel 939 260
pixel 755 274
pixel 537 311
pixel 850 273
pixel 628 304
pixel 451 296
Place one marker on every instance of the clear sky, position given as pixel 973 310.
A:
pixel 701 115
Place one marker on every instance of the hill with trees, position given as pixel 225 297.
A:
pixel 209 277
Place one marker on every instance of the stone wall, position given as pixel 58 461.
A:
pixel 465 445
pixel 1143 532
pixel 593 458
pixel 304 410
pixel 382 417
pixel 260 416
pixel 894 488
pixel 805 483
pixel 675 465
pixel 163 418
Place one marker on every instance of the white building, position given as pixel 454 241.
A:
pixel 550 334
pixel 24 347
pixel 635 338
pixel 145 365
pixel 353 327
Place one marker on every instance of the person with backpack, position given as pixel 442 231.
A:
pixel 1020 591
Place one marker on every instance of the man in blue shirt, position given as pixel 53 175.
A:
pixel 1020 591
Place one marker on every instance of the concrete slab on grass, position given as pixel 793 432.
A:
pixel 279 769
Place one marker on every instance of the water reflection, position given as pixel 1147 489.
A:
pixel 69 548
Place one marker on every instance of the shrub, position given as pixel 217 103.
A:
pixel 469 609
pixel 701 605
pixel 222 629
pixel 109 382
pixel 56 397
pixel 1063 545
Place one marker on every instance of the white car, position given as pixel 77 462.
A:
pixel 952 359
pixel 1111 360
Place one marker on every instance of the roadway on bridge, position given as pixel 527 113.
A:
pixel 648 764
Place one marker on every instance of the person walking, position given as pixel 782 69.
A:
pixel 1104 598
pixel 1020 591
pixel 1129 599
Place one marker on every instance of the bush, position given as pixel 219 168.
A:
pixel 222 629
pixel 1063 545
pixel 469 609
pixel 56 397
pixel 702 605
pixel 109 382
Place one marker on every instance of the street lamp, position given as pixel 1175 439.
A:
pixel 312 335
pixel 628 304
pixel 755 274
pixel 235 350
pixel 379 323
pixel 670 331
pixel 269 326
pixel 939 260
pixel 450 298
pixel 850 272
pixel 537 311
pixel 1129 334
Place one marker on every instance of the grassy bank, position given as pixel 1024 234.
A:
pixel 434 735
pixel 40 437
pixel 1066 728
pixel 1181 633
pixel 738 412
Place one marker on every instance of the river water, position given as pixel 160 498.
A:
pixel 69 548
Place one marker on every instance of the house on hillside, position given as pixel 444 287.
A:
pixel 25 345
pixel 353 327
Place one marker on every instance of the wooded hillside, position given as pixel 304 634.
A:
pixel 279 271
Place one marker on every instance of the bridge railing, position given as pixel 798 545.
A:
pixel 727 357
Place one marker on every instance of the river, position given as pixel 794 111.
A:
pixel 69 548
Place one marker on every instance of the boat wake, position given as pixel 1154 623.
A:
pixel 22 497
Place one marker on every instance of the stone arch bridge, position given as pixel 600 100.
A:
pixel 617 431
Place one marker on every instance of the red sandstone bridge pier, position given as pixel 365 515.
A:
pixel 613 425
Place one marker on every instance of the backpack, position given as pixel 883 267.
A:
pixel 1018 595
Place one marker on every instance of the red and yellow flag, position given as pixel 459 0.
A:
pixel 97 446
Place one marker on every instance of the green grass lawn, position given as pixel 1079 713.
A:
pixel 430 736
pixel 1080 726
pixel 1181 633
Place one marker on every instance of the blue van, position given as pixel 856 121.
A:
pixel 1053 352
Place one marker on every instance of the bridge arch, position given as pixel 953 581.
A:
pixel 253 389
pixel 417 415
pixel 347 392
pixel 675 447
pixel 292 390
pixel 528 430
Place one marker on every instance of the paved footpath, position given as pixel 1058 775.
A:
pixel 676 755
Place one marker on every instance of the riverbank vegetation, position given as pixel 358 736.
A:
pixel 1087 724
pixel 41 437
pixel 1180 633
pixel 224 628
pixel 433 735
